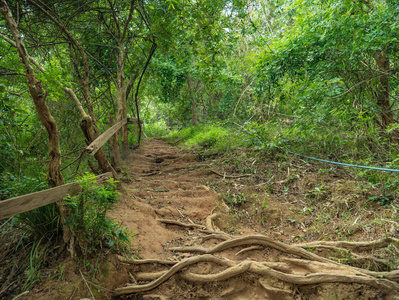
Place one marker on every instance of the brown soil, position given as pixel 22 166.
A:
pixel 289 201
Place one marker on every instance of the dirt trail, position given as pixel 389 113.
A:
pixel 199 262
pixel 165 184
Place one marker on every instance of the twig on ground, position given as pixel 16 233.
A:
pixel 145 261
pixel 88 287
pixel 230 176
pixel 20 295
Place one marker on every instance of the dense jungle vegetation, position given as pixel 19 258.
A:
pixel 314 77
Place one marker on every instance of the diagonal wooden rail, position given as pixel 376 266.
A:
pixel 21 204
pixel 106 135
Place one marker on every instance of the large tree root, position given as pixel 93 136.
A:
pixel 176 268
pixel 290 249
pixel 354 246
pixel 254 240
pixel 233 269
pixel 308 269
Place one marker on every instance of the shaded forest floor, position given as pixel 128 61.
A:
pixel 282 204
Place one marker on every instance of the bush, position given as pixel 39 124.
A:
pixel 157 129
pixel 87 216
pixel 212 136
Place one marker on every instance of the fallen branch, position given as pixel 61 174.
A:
pixel 20 295
pixel 87 285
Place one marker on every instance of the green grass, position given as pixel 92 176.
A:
pixel 208 137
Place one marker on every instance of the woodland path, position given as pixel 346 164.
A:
pixel 165 184
pixel 195 260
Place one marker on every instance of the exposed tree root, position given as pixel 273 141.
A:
pixel 355 246
pixel 254 240
pixel 277 293
pixel 146 261
pixel 209 222
pixel 233 269
pixel 176 268
pixel 217 236
pixel 353 257
pixel 249 249
pixel 266 241
pixel 309 267
pixel 173 222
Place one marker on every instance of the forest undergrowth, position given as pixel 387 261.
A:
pixel 299 199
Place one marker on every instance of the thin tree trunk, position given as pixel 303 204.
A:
pixel 121 93
pixel 115 156
pixel 89 131
pixel 38 94
pixel 89 123
pixel 383 97
pixel 193 102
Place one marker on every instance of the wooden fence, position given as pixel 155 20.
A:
pixel 21 204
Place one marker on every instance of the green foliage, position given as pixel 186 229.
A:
pixel 157 129
pixel 171 78
pixel 40 222
pixel 208 137
pixel 234 200
pixel 37 257
pixel 87 218
pixel 13 186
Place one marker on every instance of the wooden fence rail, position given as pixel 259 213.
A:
pixel 21 204
pixel 106 135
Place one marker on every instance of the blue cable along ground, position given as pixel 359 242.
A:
pixel 323 160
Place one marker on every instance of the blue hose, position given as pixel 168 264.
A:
pixel 323 160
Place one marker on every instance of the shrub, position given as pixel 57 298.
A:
pixel 87 216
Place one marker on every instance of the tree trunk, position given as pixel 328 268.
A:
pixel 90 134
pixel 121 97
pixel 115 156
pixel 193 102
pixel 88 124
pixel 54 177
pixel 383 96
